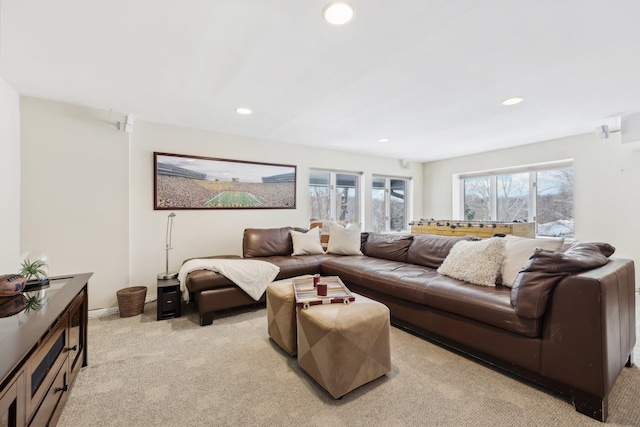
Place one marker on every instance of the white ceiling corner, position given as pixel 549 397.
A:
pixel 430 75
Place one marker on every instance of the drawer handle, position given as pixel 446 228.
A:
pixel 74 348
pixel 169 301
pixel 63 388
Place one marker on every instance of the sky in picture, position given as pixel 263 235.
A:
pixel 226 170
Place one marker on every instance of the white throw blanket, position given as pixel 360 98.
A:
pixel 252 276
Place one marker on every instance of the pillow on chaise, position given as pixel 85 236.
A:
pixel 344 240
pixel 546 269
pixel 476 262
pixel 306 243
pixel 517 252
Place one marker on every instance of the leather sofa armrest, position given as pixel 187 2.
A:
pixel 546 268
pixel 589 327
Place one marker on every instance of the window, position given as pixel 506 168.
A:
pixel 389 204
pixel 334 196
pixel 540 193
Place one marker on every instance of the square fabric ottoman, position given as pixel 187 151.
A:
pixel 281 315
pixel 344 346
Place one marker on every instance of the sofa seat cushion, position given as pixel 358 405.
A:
pixel 296 265
pixel 423 285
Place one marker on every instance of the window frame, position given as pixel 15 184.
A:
pixel 387 201
pixel 333 200
pixel 459 191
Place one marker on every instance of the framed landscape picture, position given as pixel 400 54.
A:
pixel 194 182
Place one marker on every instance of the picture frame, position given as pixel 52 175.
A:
pixel 196 182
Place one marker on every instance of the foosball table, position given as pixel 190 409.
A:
pixel 472 228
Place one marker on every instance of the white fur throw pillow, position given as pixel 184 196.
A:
pixel 344 240
pixel 476 262
pixel 306 243
pixel 517 252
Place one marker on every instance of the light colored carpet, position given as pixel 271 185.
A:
pixel 176 373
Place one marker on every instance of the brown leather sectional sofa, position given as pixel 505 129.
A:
pixel 568 323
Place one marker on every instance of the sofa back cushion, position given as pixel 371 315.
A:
pixel 431 250
pixel 517 252
pixel 262 242
pixel 393 247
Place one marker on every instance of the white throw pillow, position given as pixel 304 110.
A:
pixel 324 229
pixel 306 243
pixel 344 241
pixel 517 252
pixel 476 262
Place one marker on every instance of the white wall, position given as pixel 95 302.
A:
pixel 606 179
pixel 87 197
pixel 75 193
pixel 10 178
pixel 207 232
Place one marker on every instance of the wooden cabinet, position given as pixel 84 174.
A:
pixel 77 335
pixel 12 402
pixel 41 351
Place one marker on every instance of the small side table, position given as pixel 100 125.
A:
pixel 169 299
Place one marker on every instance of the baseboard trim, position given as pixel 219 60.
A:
pixel 101 312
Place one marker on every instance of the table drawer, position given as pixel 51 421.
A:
pixel 51 400
pixel 170 301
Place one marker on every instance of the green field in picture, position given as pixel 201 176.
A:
pixel 229 199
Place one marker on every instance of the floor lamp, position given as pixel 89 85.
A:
pixel 166 275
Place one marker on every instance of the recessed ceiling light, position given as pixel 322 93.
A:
pixel 384 140
pixel 338 13
pixel 513 101
pixel 243 110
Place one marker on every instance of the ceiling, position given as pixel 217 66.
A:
pixel 430 75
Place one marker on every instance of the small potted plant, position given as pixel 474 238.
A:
pixel 35 271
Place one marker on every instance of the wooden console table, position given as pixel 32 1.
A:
pixel 42 347
pixel 473 228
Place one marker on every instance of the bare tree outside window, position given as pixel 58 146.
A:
pixel 389 198
pixel 346 198
pixel 555 202
pixel 477 199
pixel 398 205
pixel 378 205
pixel 333 196
pixel 510 194
pixel 513 197
pixel 320 195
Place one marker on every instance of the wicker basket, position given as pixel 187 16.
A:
pixel 131 300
